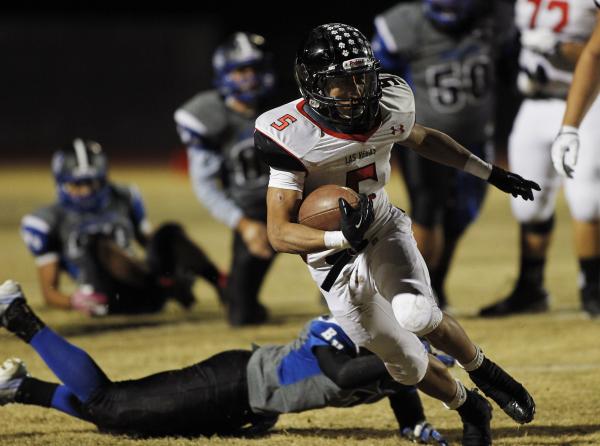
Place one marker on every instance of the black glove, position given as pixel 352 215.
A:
pixel 356 221
pixel 511 183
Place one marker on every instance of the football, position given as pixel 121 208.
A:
pixel 320 209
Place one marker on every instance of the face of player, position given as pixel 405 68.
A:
pixel 245 77
pixel 81 189
pixel 349 91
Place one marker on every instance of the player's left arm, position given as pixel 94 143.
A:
pixel 349 372
pixel 441 148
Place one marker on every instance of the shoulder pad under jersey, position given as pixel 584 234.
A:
pixel 284 136
pixel 205 114
pixel 37 229
pixel 400 26
pixel 133 198
pixel 398 100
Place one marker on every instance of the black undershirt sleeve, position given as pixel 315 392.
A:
pixel 348 372
pixel 276 156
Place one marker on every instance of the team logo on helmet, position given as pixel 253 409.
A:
pixel 338 76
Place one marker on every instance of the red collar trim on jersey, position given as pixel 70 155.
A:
pixel 362 137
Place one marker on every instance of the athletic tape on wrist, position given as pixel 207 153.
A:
pixel 335 239
pixel 478 167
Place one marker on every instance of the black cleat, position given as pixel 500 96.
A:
pixel 508 393
pixel 476 414
pixel 521 300
pixel 590 301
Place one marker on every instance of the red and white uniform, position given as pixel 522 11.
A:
pixel 540 116
pixel 383 296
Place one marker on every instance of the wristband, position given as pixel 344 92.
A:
pixel 478 167
pixel 569 129
pixel 335 239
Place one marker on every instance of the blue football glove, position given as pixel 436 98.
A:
pixel 424 433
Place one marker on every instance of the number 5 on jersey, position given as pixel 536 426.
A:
pixel 354 177
pixel 283 122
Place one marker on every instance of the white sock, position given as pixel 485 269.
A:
pixel 476 362
pixel 460 397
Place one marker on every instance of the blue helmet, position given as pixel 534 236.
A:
pixel 81 161
pixel 238 51
pixel 450 14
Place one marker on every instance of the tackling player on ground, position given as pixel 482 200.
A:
pixel 89 234
pixel 235 392
pixel 227 176
pixel 373 277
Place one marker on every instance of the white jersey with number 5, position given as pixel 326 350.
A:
pixel 361 162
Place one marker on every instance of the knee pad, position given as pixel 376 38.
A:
pixel 539 228
pixel 416 313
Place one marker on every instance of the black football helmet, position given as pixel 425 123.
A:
pixel 81 161
pixel 339 77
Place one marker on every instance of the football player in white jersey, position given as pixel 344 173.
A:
pixel 565 154
pixel 553 34
pixel 372 275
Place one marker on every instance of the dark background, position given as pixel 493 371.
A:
pixel 117 75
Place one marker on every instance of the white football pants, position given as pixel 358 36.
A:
pixel 534 130
pixel 383 299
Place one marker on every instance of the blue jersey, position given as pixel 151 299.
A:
pixel 57 233
pixel 287 378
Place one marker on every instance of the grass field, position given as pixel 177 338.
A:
pixel 556 354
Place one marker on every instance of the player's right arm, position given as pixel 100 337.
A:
pixel 205 167
pixel 37 233
pixel 49 278
pixel 284 234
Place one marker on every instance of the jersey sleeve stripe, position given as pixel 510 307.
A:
pixel 33 222
pixel 190 122
pixel 385 34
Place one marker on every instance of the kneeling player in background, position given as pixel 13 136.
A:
pixel 88 233
pixel 236 392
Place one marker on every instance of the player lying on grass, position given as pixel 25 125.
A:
pixel 89 233
pixel 235 392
